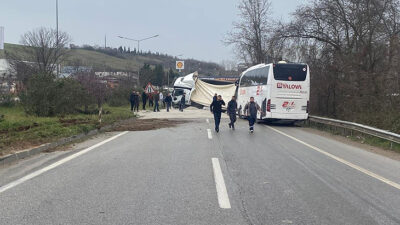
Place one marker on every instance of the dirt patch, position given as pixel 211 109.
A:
pixel 147 124
pixel 72 122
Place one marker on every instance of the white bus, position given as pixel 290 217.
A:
pixel 282 90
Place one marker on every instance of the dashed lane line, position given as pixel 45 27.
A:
pixel 209 134
pixel 222 193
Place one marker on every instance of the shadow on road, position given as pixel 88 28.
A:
pixel 279 123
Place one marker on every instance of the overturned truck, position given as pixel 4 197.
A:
pixel 200 91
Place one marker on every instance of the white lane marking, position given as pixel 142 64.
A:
pixel 365 171
pixel 209 133
pixel 208 121
pixel 56 164
pixel 223 199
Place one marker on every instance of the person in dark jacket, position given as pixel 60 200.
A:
pixel 215 97
pixel 182 103
pixel 144 100
pixel 132 100
pixel 151 103
pixel 251 110
pixel 136 97
pixel 156 102
pixel 216 109
pixel 168 101
pixel 231 110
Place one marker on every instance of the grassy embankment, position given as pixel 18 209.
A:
pixel 19 130
pixel 99 61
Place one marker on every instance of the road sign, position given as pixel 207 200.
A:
pixel 180 65
pixel 149 89
pixel 1 37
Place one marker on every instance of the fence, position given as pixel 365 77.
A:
pixel 383 134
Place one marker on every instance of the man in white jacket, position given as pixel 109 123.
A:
pixel 162 99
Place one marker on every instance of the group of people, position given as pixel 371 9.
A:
pixel 153 99
pixel 250 109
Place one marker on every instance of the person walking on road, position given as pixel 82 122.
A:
pixel 162 99
pixel 231 110
pixel 144 100
pixel 251 110
pixel 168 100
pixel 182 103
pixel 216 109
pixel 156 102
pixel 136 97
pixel 132 100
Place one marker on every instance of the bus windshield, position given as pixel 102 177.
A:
pixel 290 72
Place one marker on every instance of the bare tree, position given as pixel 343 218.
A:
pixel 250 33
pixel 352 47
pixel 43 51
pixel 95 88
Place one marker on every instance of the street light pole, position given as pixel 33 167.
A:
pixel 57 39
pixel 138 43
pixel 138 40
pixel 57 22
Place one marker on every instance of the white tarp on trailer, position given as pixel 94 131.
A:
pixel 204 92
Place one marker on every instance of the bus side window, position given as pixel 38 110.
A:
pixel 255 77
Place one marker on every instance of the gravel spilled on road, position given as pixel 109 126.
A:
pixel 147 124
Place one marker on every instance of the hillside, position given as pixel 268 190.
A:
pixel 111 60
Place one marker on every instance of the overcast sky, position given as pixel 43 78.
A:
pixel 194 28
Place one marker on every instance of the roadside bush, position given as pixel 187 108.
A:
pixel 70 96
pixel 7 100
pixel 119 97
pixel 47 96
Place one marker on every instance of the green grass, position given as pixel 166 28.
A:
pixel 19 130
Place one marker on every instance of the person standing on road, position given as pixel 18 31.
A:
pixel 132 100
pixel 136 97
pixel 151 100
pixel 251 109
pixel 182 103
pixel 216 109
pixel 156 102
pixel 231 110
pixel 144 100
pixel 215 97
pixel 168 100
pixel 162 99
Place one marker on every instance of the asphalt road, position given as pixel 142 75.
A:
pixel 188 175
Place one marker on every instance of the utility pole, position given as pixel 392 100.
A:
pixel 105 41
pixel 57 41
pixel 57 22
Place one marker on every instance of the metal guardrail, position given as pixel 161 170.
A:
pixel 383 134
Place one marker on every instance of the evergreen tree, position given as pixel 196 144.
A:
pixel 159 75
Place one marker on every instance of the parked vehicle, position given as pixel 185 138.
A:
pixel 282 90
